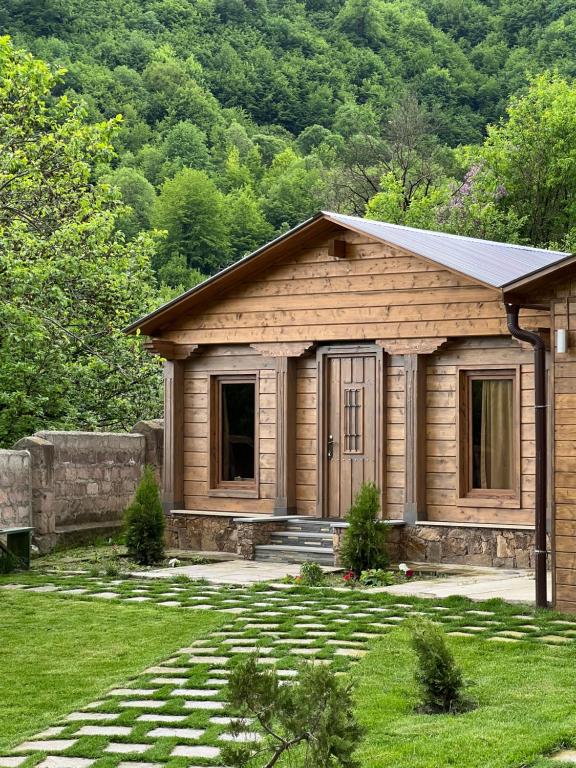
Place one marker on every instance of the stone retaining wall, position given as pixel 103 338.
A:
pixel 15 489
pixel 78 483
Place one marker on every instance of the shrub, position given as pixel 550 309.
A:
pixel 377 577
pixel 438 676
pixel 364 541
pixel 144 522
pixel 311 574
pixel 313 716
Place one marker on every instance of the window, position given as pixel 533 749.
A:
pixel 489 434
pixel 234 432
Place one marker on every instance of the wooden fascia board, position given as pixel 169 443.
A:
pixel 555 272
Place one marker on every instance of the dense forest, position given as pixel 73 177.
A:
pixel 238 120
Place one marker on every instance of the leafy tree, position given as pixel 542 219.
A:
pixel 185 145
pixel 249 229
pixel 138 196
pixel 144 522
pixel 313 717
pixel 68 280
pixel 191 210
pixel 528 162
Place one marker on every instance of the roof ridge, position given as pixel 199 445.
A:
pixel 440 233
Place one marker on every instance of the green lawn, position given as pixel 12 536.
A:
pixel 57 655
pixel 527 706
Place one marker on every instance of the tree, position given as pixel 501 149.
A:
pixel 312 716
pixel 138 195
pixel 364 543
pixel 69 282
pixel 527 164
pixel 144 522
pixel 249 229
pixel 191 210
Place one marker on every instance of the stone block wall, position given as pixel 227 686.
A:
pixel 469 545
pixel 219 533
pixel 80 483
pixel 15 489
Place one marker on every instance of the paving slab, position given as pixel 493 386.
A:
pixel 117 748
pixel 12 762
pixel 195 751
pixel 231 572
pixel 565 756
pixel 65 762
pixel 46 745
pixel 104 730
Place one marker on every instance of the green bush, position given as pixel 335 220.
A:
pixel 364 541
pixel 438 676
pixel 377 577
pixel 312 718
pixel 311 574
pixel 144 522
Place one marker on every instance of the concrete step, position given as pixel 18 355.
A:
pixel 302 538
pixel 282 553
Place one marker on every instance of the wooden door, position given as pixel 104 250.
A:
pixel 352 431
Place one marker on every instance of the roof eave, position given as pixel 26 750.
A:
pixel 527 281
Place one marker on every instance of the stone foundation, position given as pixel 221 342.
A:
pixel 468 545
pixel 219 532
pixel 201 533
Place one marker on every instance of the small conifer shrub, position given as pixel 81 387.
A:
pixel 438 676
pixel 309 722
pixel 144 522
pixel 364 541
pixel 311 574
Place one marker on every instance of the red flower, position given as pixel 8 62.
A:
pixel 349 575
pixel 409 573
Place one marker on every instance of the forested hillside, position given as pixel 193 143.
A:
pixel 242 118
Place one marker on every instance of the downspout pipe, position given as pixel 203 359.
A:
pixel 540 420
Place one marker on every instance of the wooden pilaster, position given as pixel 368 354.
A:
pixel 173 470
pixel 415 441
pixel 285 502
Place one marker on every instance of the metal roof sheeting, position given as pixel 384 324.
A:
pixel 492 263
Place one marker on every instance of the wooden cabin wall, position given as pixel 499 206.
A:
pixel 564 458
pixel 376 291
pixel 223 360
pixel 441 430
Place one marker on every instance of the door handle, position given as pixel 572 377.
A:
pixel 330 446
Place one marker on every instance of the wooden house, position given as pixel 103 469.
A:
pixel 350 350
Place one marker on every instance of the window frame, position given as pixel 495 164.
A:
pixel 218 486
pixel 486 497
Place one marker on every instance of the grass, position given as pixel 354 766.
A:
pixel 80 646
pixel 526 698
pixel 58 655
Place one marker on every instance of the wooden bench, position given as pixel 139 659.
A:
pixel 17 546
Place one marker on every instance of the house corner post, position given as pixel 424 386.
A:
pixel 173 468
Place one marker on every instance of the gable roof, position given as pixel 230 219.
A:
pixel 493 264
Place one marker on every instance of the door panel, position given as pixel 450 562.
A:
pixel 351 456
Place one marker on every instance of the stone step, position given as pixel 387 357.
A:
pixel 302 538
pixel 312 526
pixel 283 553
pixel 87 532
